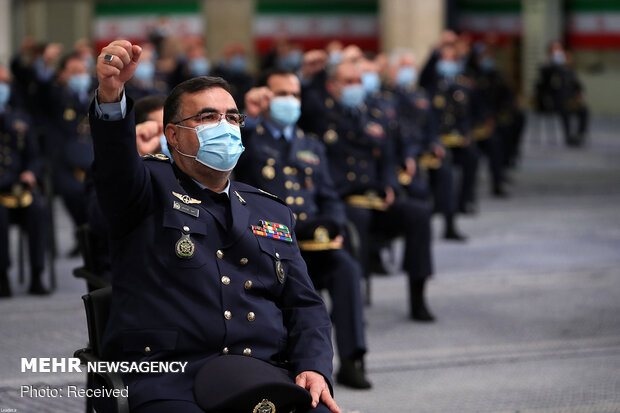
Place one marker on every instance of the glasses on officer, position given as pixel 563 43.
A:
pixel 237 119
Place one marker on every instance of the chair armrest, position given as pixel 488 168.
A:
pixel 91 278
pixel 112 380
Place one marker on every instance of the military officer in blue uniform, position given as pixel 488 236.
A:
pixel 19 196
pixel 281 159
pixel 362 163
pixel 203 267
pixel 67 141
pixel 451 103
pixel 419 140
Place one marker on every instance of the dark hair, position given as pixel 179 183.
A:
pixel 144 106
pixel 66 58
pixel 264 77
pixel 196 84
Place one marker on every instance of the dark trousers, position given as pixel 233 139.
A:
pixel 337 271
pixel 33 220
pixel 573 132
pixel 407 217
pixel 466 158
pixel 442 185
pixel 72 192
pixel 182 406
pixel 492 149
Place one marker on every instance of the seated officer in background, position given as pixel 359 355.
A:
pixel 559 90
pixel 362 163
pixel 419 141
pixel 451 104
pixel 205 270
pixel 19 195
pixel 64 99
pixel 281 159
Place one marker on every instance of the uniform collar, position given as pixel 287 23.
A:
pixel 277 131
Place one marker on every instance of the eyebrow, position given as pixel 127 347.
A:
pixel 213 110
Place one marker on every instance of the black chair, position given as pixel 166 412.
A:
pixel 97 306
pixel 89 271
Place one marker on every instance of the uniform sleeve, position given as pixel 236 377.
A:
pixel 307 322
pixel 121 180
pixel 328 200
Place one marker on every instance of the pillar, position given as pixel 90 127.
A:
pixel 229 21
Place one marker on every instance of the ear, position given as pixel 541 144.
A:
pixel 171 135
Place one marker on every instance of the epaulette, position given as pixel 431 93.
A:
pixel 244 188
pixel 156 156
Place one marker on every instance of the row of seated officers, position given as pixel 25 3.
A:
pixel 357 154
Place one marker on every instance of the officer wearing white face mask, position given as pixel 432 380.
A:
pixel 205 270
pixel 281 159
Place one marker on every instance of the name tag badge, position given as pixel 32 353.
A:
pixel 185 209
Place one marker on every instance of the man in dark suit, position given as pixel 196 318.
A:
pixel 281 159
pixel 203 267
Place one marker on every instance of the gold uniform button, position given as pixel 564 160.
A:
pixel 186 228
pixel 247 285
pixel 227 315
pixel 147 349
pixel 351 176
pixel 290 200
pixel 225 350
pixel 287 170
pixel 247 352
pixel 308 170
pixel 296 186
pixel 288 184
pixel 350 160
pixel 299 200
pixel 225 280
pixel 271 161
pixel 219 254
pixel 251 316
pixel 303 216
pixel 243 261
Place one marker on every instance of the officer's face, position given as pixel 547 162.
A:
pixel 284 85
pixel 214 99
pixel 73 67
pixel 347 74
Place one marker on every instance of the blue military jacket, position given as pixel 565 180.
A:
pixel 18 148
pixel 359 149
pixel 239 293
pixel 296 171
pixel 451 103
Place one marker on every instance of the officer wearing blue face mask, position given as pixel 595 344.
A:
pixel 560 91
pixel 192 64
pixel 146 81
pixel 205 270
pixel 281 159
pixel 360 152
pixel 451 95
pixel 233 68
pixel 64 100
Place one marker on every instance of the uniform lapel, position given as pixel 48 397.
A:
pixel 240 215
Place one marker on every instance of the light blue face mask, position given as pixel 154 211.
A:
pixel 199 66
pixel 220 145
pixel 406 76
pixel 285 110
pixel 145 71
pixel 163 142
pixel 5 94
pixel 558 57
pixel 353 96
pixel 334 58
pixel 371 82
pixel 487 63
pixel 448 69
pixel 79 83
pixel 238 63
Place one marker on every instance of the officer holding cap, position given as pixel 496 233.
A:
pixel 203 267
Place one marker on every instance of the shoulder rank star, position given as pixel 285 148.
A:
pixel 186 199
